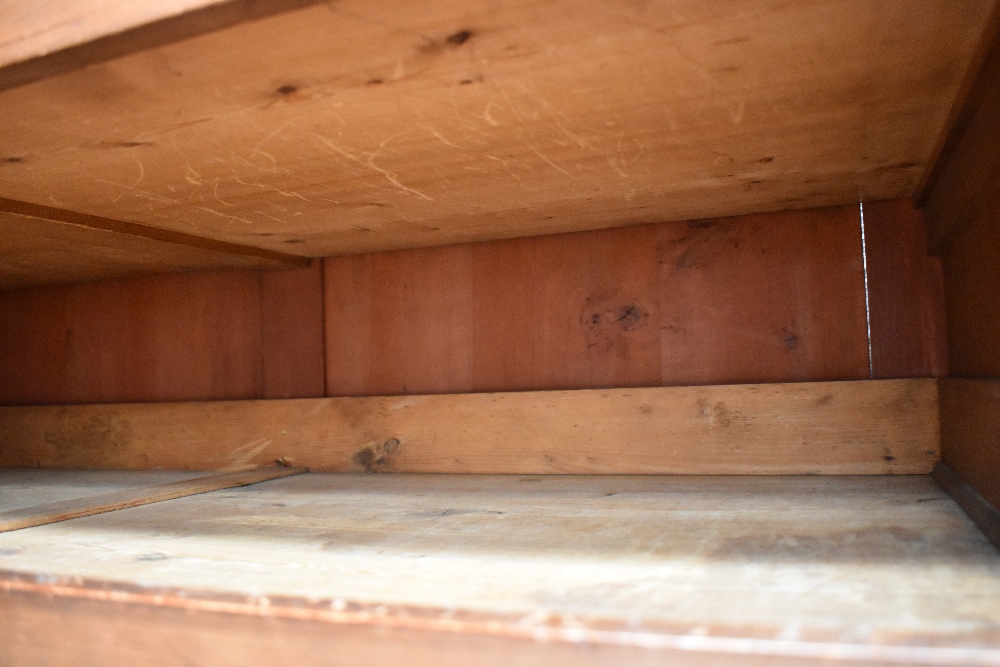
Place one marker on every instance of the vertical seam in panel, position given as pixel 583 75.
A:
pixel 868 312
pixel 322 315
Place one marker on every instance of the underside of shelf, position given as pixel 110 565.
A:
pixel 312 129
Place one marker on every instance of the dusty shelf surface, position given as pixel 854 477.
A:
pixel 880 561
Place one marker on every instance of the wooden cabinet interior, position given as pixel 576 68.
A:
pixel 532 239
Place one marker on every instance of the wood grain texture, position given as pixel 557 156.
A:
pixel 65 510
pixel 906 294
pixel 131 229
pixel 764 298
pixel 72 254
pixel 400 322
pixel 983 514
pixel 972 277
pixel 568 311
pixel 292 345
pixel 356 126
pixel 861 569
pixel 48 37
pixel 27 487
pixel 872 427
pixel 102 633
pixel 197 336
pixel 970 444
pixel 961 188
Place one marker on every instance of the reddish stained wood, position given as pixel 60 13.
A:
pixel 970 444
pixel 567 311
pixel 34 352
pixel 292 332
pixel 906 291
pixel 763 298
pixel 972 273
pixel 193 336
pixel 399 322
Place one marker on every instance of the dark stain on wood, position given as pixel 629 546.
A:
pixel 459 38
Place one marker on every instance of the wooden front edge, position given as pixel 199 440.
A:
pixel 442 630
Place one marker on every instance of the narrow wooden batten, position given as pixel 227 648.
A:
pixel 854 428
pixel 146 231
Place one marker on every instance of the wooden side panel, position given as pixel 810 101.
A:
pixel 963 216
pixel 192 336
pixel 906 289
pixel 972 286
pixel 292 332
pixel 962 188
pixel 765 298
pixel 970 433
pixel 871 427
pixel 399 322
pixel 34 346
pixel 569 311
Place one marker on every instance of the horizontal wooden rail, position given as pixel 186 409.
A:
pixel 136 229
pixel 39 515
pixel 867 427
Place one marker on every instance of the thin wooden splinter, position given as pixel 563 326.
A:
pixel 39 515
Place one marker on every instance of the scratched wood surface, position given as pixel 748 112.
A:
pixel 389 125
pixel 871 427
pixel 761 298
pixel 885 562
pixel 199 336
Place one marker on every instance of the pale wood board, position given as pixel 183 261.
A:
pixel 73 254
pixel 354 126
pixel 27 487
pixel 868 427
pixel 821 566
pixel 44 37
pixel 64 510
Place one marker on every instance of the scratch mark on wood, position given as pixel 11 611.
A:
pixel 370 163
